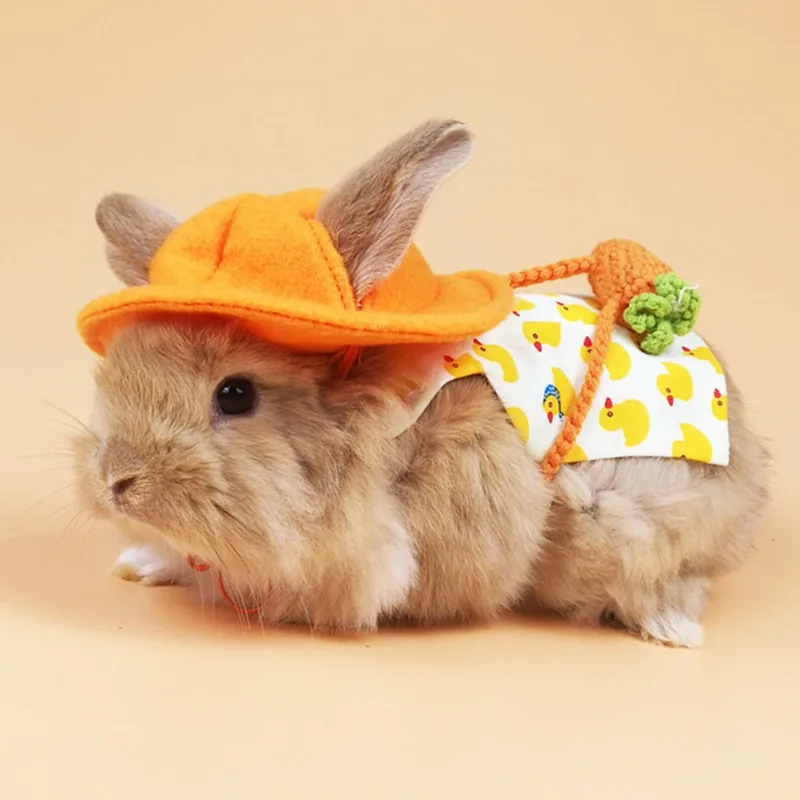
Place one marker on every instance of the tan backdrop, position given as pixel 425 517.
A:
pixel 673 123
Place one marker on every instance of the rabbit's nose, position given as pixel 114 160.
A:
pixel 122 485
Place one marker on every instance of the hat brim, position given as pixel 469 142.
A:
pixel 467 305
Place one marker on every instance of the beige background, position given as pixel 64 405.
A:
pixel 673 123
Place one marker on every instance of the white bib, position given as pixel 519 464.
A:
pixel 673 405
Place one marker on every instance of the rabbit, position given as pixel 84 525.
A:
pixel 317 512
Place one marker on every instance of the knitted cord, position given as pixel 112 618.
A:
pixel 565 440
pixel 552 272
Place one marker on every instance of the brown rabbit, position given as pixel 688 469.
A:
pixel 210 443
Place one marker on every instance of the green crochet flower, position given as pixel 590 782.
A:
pixel 670 312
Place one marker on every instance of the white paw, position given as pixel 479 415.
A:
pixel 150 565
pixel 673 628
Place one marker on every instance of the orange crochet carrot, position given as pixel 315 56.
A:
pixel 634 288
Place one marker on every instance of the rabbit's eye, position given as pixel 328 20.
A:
pixel 235 396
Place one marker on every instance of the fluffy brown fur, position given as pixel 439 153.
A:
pixel 314 506
pixel 638 540
pixel 308 497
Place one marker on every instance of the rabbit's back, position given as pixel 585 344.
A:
pixel 636 540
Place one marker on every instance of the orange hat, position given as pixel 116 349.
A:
pixel 268 263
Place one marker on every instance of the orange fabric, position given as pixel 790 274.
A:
pixel 618 270
pixel 265 261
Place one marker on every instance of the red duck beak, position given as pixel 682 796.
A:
pixel 717 394
pixel 609 404
pixel 538 346
pixel 477 342
pixel 515 313
pixel 587 342
pixel 550 417
pixel 448 359
pixel 685 349
pixel 670 399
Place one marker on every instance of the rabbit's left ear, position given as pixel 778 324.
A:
pixel 372 214
pixel 134 230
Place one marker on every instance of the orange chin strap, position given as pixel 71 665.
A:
pixel 345 359
pixel 199 566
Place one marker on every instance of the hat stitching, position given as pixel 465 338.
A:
pixel 333 271
pixel 226 235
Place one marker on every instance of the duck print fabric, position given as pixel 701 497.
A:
pixel 673 405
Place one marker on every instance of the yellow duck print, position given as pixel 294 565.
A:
pixel 462 366
pixel 542 333
pixel 521 304
pixel 676 384
pixel 520 421
pixel 719 405
pixel 630 416
pixel 558 396
pixel 576 313
pixel 576 454
pixel 694 445
pixel 501 356
pixel 704 354
pixel 618 360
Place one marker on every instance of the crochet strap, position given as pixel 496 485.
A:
pixel 566 438
pixel 552 272
pixel 568 435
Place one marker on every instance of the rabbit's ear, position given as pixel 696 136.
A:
pixel 134 229
pixel 372 214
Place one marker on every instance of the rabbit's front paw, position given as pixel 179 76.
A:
pixel 150 566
